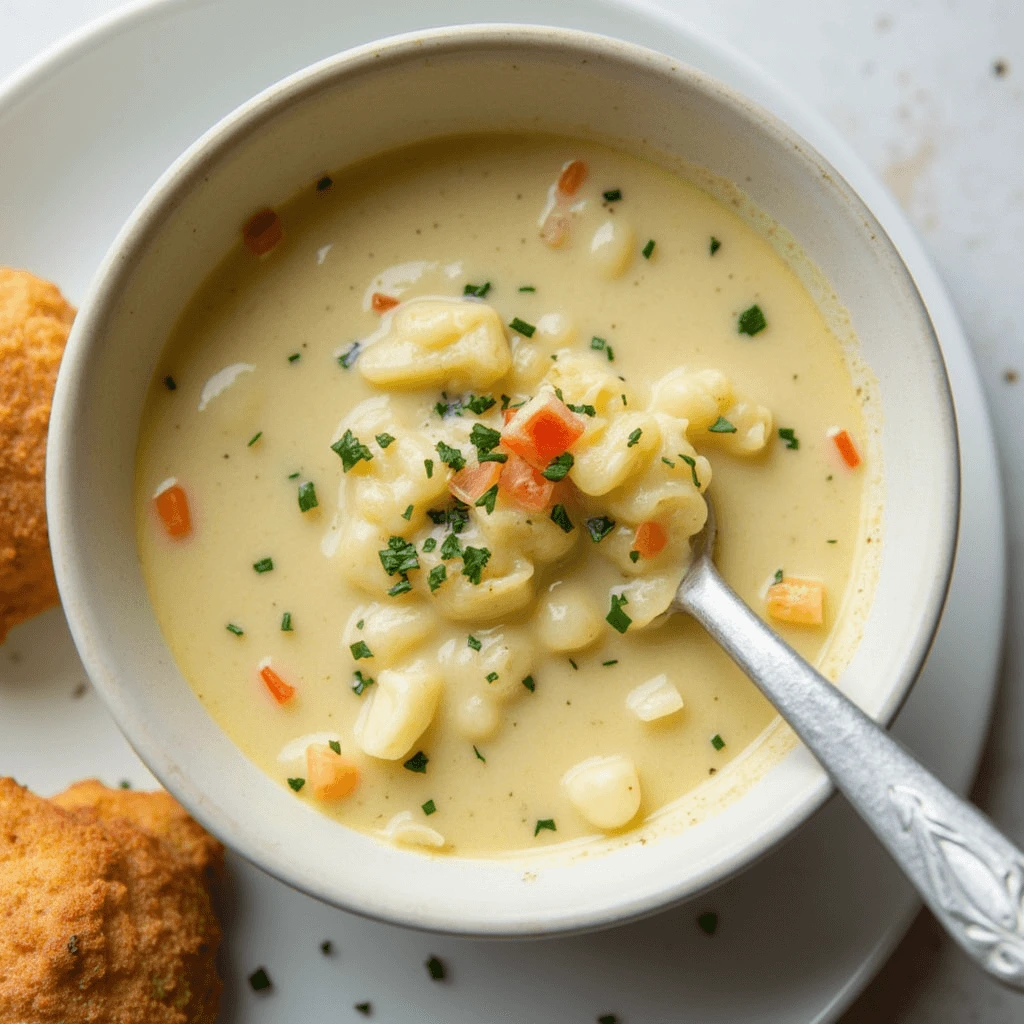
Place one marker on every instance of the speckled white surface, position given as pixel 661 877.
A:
pixel 914 87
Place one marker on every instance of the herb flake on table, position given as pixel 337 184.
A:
pixel 263 565
pixel 522 327
pixel 612 661
pixel 544 825
pixel 327 947
pixel 260 980
pixel 721 426
pixel 351 451
pixel 752 321
pixel 616 617
pixel 365 1008
pixel 435 969
pixel 307 496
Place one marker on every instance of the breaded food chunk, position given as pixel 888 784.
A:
pixel 103 921
pixel 34 323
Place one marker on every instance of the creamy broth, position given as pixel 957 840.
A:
pixel 259 396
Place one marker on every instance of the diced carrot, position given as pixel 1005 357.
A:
pixel 572 176
pixel 798 601
pixel 554 232
pixel 847 449
pixel 172 507
pixel 542 430
pixel 330 776
pixel 262 232
pixel 473 481
pixel 650 539
pixel 381 303
pixel 526 487
pixel 281 691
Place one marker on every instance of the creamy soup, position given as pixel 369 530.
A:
pixel 420 469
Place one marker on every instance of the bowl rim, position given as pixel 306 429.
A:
pixel 149 218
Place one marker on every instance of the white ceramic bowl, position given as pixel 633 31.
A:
pixel 344 109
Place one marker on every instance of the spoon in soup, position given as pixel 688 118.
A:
pixel 970 875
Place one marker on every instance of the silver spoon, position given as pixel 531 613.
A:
pixel 966 870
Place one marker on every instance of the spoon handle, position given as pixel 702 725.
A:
pixel 969 874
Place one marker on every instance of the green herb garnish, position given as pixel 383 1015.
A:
pixel 778 576
pixel 324 183
pixel 616 617
pixel 294 357
pixel 350 450
pixel 752 321
pixel 527 288
pixel 335 746
pixel 407 514
pixel 543 824
pixel 435 969
pixel 487 499
pixel 583 410
pixel 478 404
pixel 558 467
pixel 574 665
pixel 417 763
pixel 634 437
pixel 608 1018
pixel 561 517
pixel 237 630
pixel 307 496
pixel 296 784
pixel 428 465
pixel 788 434
pixel 492 677
pixel 493 457
pixel 403 586
pixel 365 1008
pixel 327 947
pixel 606 664
pixel 668 462
pixel 722 426
pixel 692 463
pixel 484 439
pixel 170 383
pixel 360 649
pixel 429 544
pixel 530 684
pixel 294 476
pixel 648 249
pixel 613 195
pixel 349 356
pixel 286 623
pixel 634 556
pixel 263 565
pixel 361 683
pixel 429 808
pixel 479 290
pixel 399 556
pixel 259 979
pixel 717 742
pixel 384 440
pixel 255 437
pixel 610 353
pixel 471 641
pixel 479 756
pixel 599 527
pixel 522 327
pixel 451 548
pixel 473 562
pixel 597 343
pixel 714 246
pixel 450 456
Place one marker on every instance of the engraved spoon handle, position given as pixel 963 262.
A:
pixel 967 871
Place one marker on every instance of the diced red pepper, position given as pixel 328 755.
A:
pixel 524 485
pixel 542 432
pixel 473 481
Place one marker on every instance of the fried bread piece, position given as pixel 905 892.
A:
pixel 34 323
pixel 101 920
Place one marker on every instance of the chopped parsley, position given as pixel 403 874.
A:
pixel 561 517
pixel 349 356
pixel 335 746
pixel 599 527
pixel 360 649
pixel 493 457
pixel 668 462
pixel 616 617
pixel 451 548
pixel 610 352
pixel 722 426
pixel 583 410
pixel 429 544
pixel 350 450
pixel 327 947
pixel 437 576
pixel 608 1018
pixel 471 641
pixel 574 665
pixel 417 763
pixel 307 496
pixel 597 343
pixel 294 357
pixel 778 576
pixel 505 399
pixel 170 383
pixel 522 327
pixel 530 684
pixel 717 742
pixel 259 979
pixel 361 683
pixel 255 437
pixel 788 434
pixel 237 630
pixel 360 623
pixel 648 249
pixel 324 183
pixel 714 245
pixel 477 290
pixel 752 321
pixel 384 440
pixel 286 623
pixel 450 456
pixel 435 968
pixel 429 808
pixel 365 1008
pixel 479 756
pixel 296 784
pixel 407 514
pixel 294 476
pixel 428 465
pixel 527 288
pixel 634 556
pixel 403 586
pixel 613 195
pixel 831 542
pixel 613 661
pixel 544 824
pixel 478 404
pixel 692 463
pixel 399 556
pixel 473 562
pixel 446 408
pixel 708 922
pixel 634 438
pixel 458 517
pixel 492 677
pixel 558 467
pixel 484 439
pixel 263 565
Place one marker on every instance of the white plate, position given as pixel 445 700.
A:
pixel 86 130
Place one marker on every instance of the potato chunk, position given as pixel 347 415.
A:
pixel 605 790
pixel 567 619
pixel 657 698
pixel 398 711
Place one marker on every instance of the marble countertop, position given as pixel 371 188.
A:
pixel 932 95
